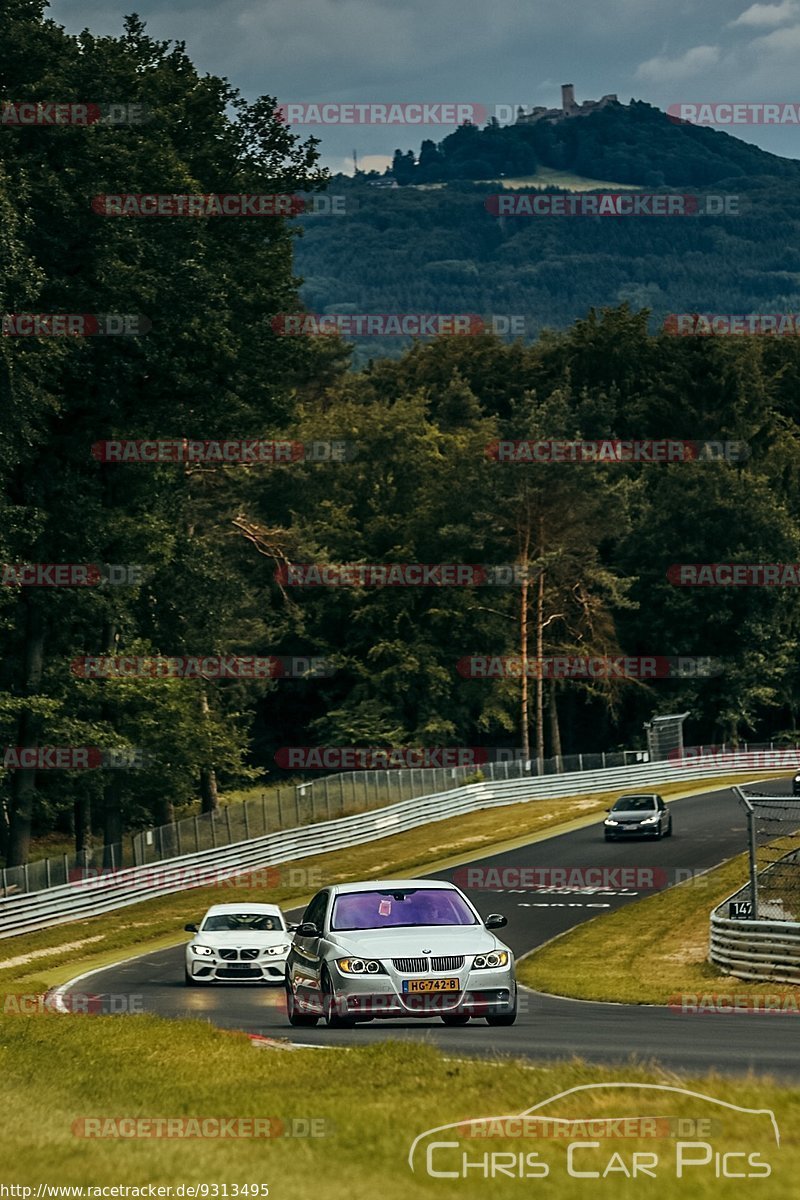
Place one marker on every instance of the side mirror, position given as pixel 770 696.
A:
pixel 292 927
pixel 307 929
pixel 190 928
pixel 495 921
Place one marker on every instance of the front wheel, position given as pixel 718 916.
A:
pixel 504 1018
pixel 296 1017
pixel 335 1018
pixel 669 827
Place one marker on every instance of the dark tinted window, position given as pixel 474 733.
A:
pixel 634 804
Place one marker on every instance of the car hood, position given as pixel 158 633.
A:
pixel 630 814
pixel 410 943
pixel 239 937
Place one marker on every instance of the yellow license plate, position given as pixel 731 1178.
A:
pixel 431 985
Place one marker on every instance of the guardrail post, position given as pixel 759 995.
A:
pixel 47 871
pixel 66 868
pixel 5 879
pixel 25 874
pixel 580 762
pixel 604 758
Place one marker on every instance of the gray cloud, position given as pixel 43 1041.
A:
pixel 469 51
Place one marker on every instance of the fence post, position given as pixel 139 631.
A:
pixel 327 803
pixel 228 822
pixel 177 825
pixel 264 807
pixel 751 835
pixel 580 762
pixel 213 819
pixel 604 758
pixel 47 871
pixel 25 874
pixel 280 812
pixel 66 868
pixel 197 833
pixel 5 878
pixel 296 808
pixel 246 823
pixel 341 792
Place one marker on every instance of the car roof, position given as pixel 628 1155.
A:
pixel 271 909
pixel 383 885
pixel 638 796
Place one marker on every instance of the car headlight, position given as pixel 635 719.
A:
pixel 496 958
pixel 610 821
pixel 360 966
pixel 649 820
pixel 203 951
pixel 284 949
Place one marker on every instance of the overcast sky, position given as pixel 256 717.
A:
pixel 496 52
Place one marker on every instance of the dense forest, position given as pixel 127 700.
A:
pixel 214 541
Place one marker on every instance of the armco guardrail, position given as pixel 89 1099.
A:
pixel 93 896
pixel 287 806
pixel 766 950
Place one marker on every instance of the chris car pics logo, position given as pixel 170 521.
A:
pixel 633 1131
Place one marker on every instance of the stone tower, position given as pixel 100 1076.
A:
pixel 568 105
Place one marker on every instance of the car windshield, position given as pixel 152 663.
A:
pixel 246 922
pixel 389 910
pixel 634 804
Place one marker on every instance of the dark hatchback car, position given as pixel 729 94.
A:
pixel 638 816
pixel 796 785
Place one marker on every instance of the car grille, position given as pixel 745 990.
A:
pixel 439 962
pixel 233 955
pixel 229 954
pixel 249 954
pixel 447 962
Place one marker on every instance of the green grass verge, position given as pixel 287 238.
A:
pixel 48 957
pixel 647 952
pixel 369 1104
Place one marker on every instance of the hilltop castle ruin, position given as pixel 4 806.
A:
pixel 568 107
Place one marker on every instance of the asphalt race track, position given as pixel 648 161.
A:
pixel 707 829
